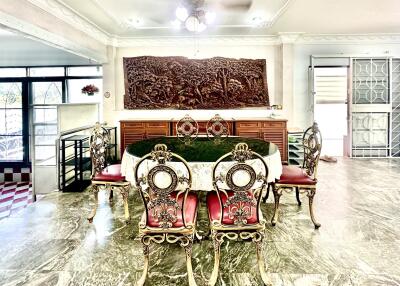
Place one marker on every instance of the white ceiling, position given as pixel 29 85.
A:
pixel 17 50
pixel 234 17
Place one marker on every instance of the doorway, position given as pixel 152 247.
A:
pixel 331 108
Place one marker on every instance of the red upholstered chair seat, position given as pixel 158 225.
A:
pixel 295 176
pixel 190 211
pixel 214 209
pixel 110 173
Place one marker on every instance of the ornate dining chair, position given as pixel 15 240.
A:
pixel 187 129
pixel 302 179
pixel 217 129
pixel 234 205
pixel 105 176
pixel 170 206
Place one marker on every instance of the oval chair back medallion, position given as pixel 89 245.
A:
pixel 217 129
pixel 163 202
pixel 241 198
pixel 187 129
pixel 99 141
pixel 312 143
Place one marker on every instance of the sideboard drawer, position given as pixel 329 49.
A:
pixel 132 124
pixel 277 124
pixel 248 124
pixel 157 124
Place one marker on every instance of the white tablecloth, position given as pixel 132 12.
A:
pixel 202 177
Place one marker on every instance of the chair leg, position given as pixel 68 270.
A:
pixel 95 190
pixel 125 196
pixel 267 194
pixel 217 256
pixel 188 251
pixel 298 196
pixel 277 195
pixel 311 194
pixel 142 279
pixel 110 198
pixel 260 261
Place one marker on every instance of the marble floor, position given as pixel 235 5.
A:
pixel 51 243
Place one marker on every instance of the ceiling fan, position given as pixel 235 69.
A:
pixel 197 14
pixel 237 5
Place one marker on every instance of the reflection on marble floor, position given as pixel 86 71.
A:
pixel 51 243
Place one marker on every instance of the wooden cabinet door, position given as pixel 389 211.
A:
pixel 278 137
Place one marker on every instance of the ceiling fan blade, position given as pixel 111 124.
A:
pixel 240 5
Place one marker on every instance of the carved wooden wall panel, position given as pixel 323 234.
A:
pixel 182 83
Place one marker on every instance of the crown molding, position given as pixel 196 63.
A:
pixel 289 38
pixel 349 39
pixel 202 41
pixel 73 18
pixel 36 33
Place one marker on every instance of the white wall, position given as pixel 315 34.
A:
pixel 114 79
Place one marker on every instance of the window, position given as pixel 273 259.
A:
pixel 12 72
pixel 85 71
pixel 40 86
pixel 11 122
pixel 47 71
pixel 47 92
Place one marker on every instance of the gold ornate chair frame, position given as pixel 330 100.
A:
pixel 99 140
pixel 187 129
pixel 312 143
pixel 240 206
pixel 217 129
pixel 158 202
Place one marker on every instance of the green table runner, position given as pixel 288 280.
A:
pixel 202 149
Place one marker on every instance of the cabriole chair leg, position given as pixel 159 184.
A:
pixel 311 194
pixel 267 194
pixel 217 257
pixel 95 190
pixel 125 196
pixel 277 195
pixel 188 251
pixel 142 279
pixel 298 196
pixel 260 261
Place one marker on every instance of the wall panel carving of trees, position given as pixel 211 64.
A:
pixel 182 83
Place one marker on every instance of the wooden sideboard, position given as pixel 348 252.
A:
pixel 272 130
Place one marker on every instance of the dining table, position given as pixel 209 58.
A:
pixel 201 154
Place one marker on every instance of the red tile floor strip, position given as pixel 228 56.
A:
pixel 14 196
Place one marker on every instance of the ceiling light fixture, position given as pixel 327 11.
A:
pixel 210 17
pixel 136 22
pixel 196 21
pixel 257 21
pixel 181 13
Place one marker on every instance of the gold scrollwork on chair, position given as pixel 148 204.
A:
pixel 170 206
pixel 237 193
pixel 303 180
pixel 104 176
pixel 187 129
pixel 99 141
pixel 217 129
